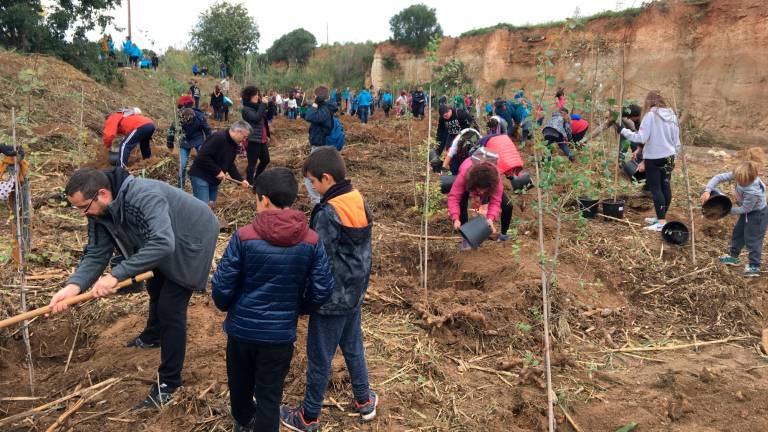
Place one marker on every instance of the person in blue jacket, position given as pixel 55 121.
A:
pixel 521 109
pixel 195 131
pixel 386 102
pixel 273 269
pixel 126 48
pixel 345 107
pixel 135 55
pixel 364 101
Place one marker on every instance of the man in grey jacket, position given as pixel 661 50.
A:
pixel 156 227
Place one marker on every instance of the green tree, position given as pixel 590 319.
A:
pixel 225 33
pixel 294 48
pixel 415 26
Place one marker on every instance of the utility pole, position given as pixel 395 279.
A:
pixel 326 34
pixel 129 18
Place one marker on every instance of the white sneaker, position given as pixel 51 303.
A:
pixel 651 220
pixel 654 227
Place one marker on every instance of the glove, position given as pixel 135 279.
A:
pixel 618 127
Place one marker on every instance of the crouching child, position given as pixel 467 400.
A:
pixel 752 210
pixel 271 268
pixel 344 223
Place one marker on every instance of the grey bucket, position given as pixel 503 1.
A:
pixel 521 181
pixel 717 206
pixel 476 231
pixel 446 182
pixel 630 169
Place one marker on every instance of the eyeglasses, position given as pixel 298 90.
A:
pixel 85 210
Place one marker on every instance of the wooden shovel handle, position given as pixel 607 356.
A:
pixel 70 301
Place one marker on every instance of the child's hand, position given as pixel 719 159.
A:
pixel 704 196
pixel 493 228
pixel 456 224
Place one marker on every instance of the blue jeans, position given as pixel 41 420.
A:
pixel 204 191
pixel 183 159
pixel 324 334
pixel 362 112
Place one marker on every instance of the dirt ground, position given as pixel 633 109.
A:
pixel 630 319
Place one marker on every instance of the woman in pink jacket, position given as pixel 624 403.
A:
pixel 480 183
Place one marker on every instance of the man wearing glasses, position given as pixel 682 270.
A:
pixel 156 227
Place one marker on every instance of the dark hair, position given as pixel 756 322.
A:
pixel 633 110
pixel 482 176
pixel 444 109
pixel 325 160
pixel 564 110
pixel 492 124
pixel 87 181
pixel 560 92
pixel 248 93
pixel 321 92
pixel 279 185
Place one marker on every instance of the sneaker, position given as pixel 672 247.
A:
pixel 157 398
pixel 464 246
pixel 138 342
pixel 367 410
pixel 751 271
pixel 651 220
pixel 293 419
pixel 502 237
pixel 654 227
pixel 248 428
pixel 730 260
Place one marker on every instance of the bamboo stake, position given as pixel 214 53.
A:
pixel 70 301
pixel 81 141
pixel 676 347
pixel 21 244
pixel 683 120
pixel 621 111
pixel 426 198
pixel 594 84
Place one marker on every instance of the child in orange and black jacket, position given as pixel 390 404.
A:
pixel 343 222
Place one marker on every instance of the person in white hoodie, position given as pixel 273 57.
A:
pixel 659 140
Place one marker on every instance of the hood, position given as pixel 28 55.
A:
pixel 332 107
pixel 283 228
pixel 117 176
pixel 666 114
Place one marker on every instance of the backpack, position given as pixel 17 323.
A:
pixel 336 136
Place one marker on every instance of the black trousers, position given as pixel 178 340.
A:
pixel 167 324
pixel 256 152
pixel 658 176
pixel 257 369
pixel 506 211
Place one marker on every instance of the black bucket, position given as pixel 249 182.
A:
pixel 521 181
pixel 114 158
pixel 717 206
pixel 446 182
pixel 588 207
pixel 476 231
pixel 614 208
pixel 132 288
pixel 630 169
pixel 674 232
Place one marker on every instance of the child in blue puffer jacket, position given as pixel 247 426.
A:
pixel 272 267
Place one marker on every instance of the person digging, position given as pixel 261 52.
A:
pixel 157 227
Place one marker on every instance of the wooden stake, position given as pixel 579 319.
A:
pixel 426 199
pixel 59 421
pixel 22 246
pixel 621 112
pixel 677 347
pixel 683 120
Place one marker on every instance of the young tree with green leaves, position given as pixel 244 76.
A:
pixel 293 48
pixel 225 33
pixel 415 26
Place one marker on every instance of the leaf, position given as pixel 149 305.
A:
pixel 551 80
pixel 629 426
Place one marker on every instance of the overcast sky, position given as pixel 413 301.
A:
pixel 168 23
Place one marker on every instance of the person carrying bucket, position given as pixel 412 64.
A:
pixel 460 149
pixel 750 228
pixel 558 131
pixel 659 139
pixel 478 183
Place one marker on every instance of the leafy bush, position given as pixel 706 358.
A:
pixel 390 62
pixel 225 33
pixel 294 47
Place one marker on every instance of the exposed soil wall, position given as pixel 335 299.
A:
pixel 710 56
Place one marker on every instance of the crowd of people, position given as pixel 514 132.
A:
pixel 282 265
